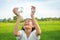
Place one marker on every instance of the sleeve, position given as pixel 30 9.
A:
pixel 18 37
pixel 35 36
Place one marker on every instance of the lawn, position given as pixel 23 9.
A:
pixel 50 30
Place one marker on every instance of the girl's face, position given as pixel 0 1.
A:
pixel 28 26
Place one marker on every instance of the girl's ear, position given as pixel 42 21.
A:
pixel 32 26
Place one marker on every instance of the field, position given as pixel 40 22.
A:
pixel 50 30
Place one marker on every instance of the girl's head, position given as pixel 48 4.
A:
pixel 28 25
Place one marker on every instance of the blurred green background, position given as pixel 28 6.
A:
pixel 50 28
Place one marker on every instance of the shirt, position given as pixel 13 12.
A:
pixel 32 36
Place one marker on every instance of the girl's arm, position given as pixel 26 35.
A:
pixel 37 27
pixel 16 33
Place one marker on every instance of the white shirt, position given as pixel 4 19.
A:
pixel 31 37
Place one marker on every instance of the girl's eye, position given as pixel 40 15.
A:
pixel 26 24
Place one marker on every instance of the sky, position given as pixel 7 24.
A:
pixel 44 8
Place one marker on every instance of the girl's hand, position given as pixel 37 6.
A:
pixel 15 10
pixel 33 9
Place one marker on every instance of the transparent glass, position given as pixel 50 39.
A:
pixel 20 9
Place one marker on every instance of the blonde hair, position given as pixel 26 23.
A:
pixel 27 19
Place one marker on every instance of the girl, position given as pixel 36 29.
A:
pixel 31 30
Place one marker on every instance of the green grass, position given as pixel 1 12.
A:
pixel 50 30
